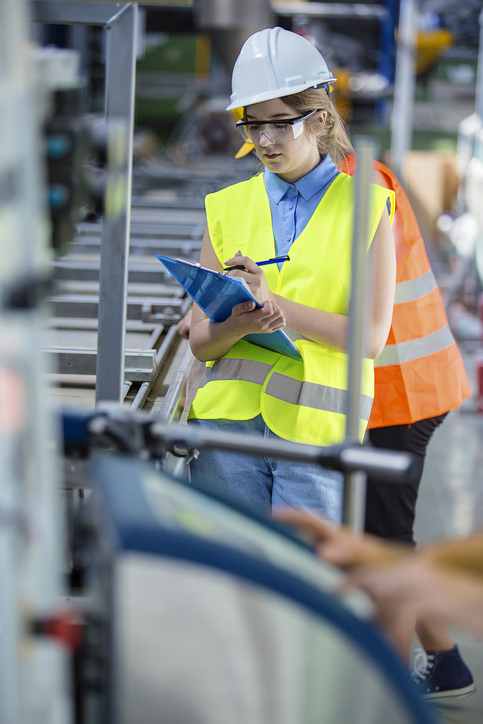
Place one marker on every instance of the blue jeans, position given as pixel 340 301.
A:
pixel 264 482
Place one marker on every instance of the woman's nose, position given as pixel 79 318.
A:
pixel 265 139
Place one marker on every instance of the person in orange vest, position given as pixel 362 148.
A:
pixel 419 377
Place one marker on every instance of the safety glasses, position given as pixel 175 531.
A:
pixel 277 132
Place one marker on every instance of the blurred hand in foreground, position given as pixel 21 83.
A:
pixel 443 580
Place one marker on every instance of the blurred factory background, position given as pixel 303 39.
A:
pixel 113 131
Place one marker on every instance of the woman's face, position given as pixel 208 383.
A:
pixel 290 160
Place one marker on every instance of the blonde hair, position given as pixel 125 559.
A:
pixel 332 137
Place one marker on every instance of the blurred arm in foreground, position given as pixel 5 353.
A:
pixel 442 580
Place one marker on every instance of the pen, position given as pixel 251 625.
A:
pixel 275 260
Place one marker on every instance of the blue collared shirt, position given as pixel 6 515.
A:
pixel 292 205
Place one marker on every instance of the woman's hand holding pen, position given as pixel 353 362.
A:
pixel 253 275
pixel 270 317
pixel 211 340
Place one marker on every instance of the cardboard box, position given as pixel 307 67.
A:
pixel 431 181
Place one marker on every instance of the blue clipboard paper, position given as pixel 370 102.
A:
pixel 217 294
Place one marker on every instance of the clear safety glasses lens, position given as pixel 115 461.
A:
pixel 276 132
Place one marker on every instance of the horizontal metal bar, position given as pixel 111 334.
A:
pixel 139 364
pixel 188 250
pixel 162 217
pixel 173 402
pixel 188 202
pixel 166 352
pixel 169 3
pixel 143 308
pixel 135 289
pixel 143 230
pixel 331 10
pixel 164 229
pixel 88 271
pixel 73 13
pixel 141 396
pixel 125 388
pixel 170 342
pixel 216 170
pixel 392 466
pixel 71 323
pixel 155 337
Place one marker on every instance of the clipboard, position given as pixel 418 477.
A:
pixel 216 294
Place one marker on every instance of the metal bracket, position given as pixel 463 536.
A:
pixel 139 364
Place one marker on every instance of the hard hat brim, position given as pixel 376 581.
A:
pixel 272 94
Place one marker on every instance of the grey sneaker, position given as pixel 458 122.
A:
pixel 442 674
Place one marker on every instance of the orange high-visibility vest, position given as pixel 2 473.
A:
pixel 420 372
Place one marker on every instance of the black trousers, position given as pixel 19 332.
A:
pixel 390 507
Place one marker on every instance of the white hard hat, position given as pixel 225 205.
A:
pixel 273 63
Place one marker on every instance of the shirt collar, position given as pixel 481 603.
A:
pixel 276 187
pixel 307 186
pixel 317 179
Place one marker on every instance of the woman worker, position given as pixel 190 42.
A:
pixel 300 205
pixel 419 376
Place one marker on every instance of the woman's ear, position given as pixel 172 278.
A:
pixel 314 134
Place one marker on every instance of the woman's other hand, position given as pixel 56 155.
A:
pixel 269 318
pixel 184 324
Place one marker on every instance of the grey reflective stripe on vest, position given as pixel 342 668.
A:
pixel 394 354
pixel 415 288
pixel 309 394
pixel 230 368
pixel 294 336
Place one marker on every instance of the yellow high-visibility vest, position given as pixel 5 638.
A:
pixel 299 401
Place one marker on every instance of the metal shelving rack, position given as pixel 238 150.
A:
pixel 386 13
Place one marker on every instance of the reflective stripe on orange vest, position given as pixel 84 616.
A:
pixel 396 354
pixel 415 288
pixel 420 373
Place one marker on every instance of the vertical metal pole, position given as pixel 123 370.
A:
pixel 355 483
pixel 402 114
pixel 33 673
pixel 479 77
pixel 120 81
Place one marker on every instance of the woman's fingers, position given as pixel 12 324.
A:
pixel 339 545
pixel 267 318
pixel 274 317
pixel 310 526
pixel 243 308
pixel 252 274
pixel 184 324
pixel 240 260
